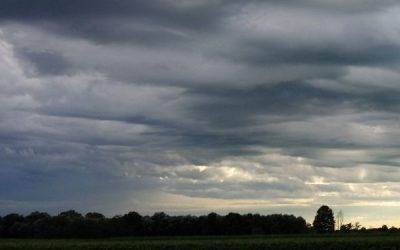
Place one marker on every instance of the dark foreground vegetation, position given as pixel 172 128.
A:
pixel 301 242
pixel 71 224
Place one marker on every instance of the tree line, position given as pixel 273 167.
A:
pixel 71 224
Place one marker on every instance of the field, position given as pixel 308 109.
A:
pixel 384 242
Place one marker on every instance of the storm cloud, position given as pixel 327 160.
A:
pixel 198 106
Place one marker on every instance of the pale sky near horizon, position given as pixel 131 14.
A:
pixel 198 106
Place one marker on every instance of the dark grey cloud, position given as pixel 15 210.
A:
pixel 154 23
pixel 147 23
pixel 264 53
pixel 283 98
pixel 352 6
pixel 47 62
pixel 185 14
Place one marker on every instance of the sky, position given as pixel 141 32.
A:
pixel 190 107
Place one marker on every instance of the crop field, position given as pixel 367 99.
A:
pixel 369 242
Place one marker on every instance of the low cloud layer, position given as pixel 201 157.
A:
pixel 194 106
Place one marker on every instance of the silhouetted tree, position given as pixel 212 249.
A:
pixel 233 224
pixel 132 223
pixel 324 221
pixel 160 224
pixel 339 219
pixel 34 216
pixel 211 224
pixel 94 216
pixel 346 227
pixel 71 214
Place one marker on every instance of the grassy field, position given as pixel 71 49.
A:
pixel 369 242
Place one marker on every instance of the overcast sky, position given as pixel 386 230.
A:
pixel 198 106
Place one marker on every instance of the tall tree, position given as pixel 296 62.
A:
pixel 324 221
pixel 339 219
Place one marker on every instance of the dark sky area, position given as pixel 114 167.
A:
pixel 204 105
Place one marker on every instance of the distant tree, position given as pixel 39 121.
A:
pixel 94 216
pixel 132 223
pixel 357 226
pixel 384 228
pixel 12 225
pixel 210 224
pixel 70 224
pixel 35 216
pixel 160 224
pixel 10 219
pixel 232 223
pixel 346 227
pixel 44 228
pixel 72 214
pixel 339 219
pixel 324 221
pixel 147 225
